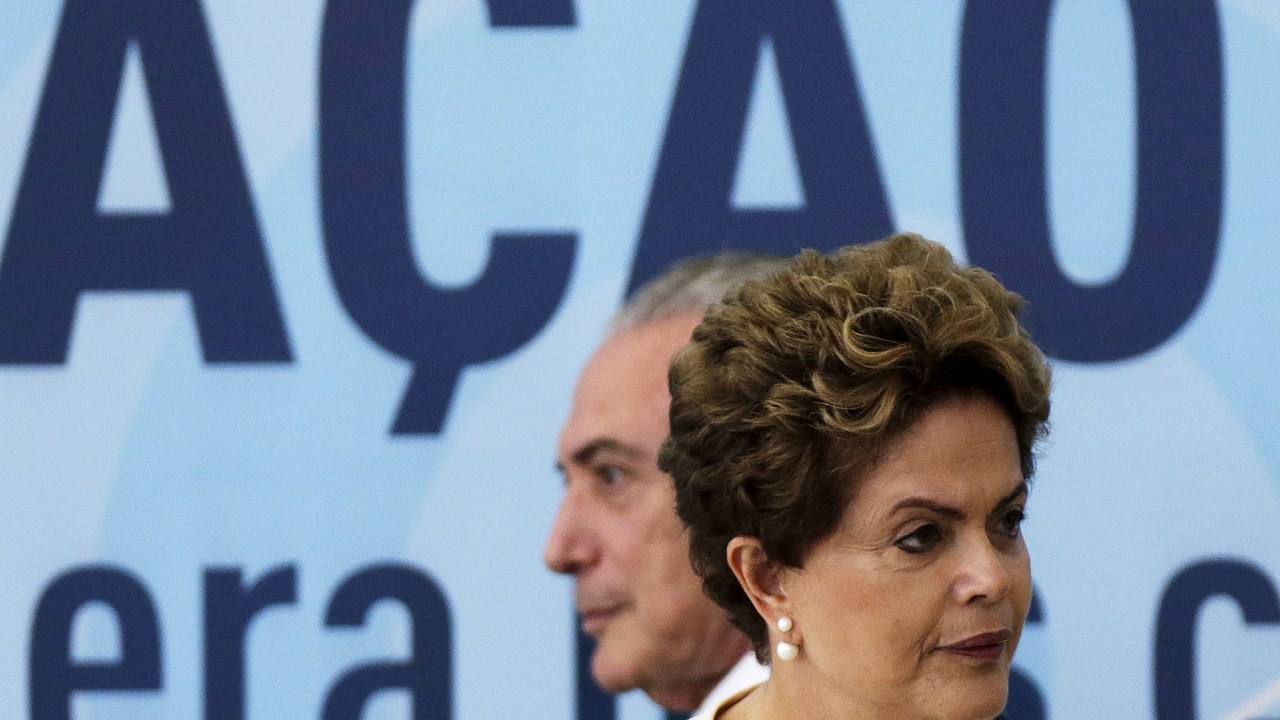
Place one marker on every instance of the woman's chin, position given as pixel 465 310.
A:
pixel 974 701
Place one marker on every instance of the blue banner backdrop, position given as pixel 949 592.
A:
pixel 293 297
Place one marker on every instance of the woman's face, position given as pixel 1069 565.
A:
pixel 913 607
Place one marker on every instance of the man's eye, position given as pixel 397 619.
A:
pixel 1011 522
pixel 921 540
pixel 610 475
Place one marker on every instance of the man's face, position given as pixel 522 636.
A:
pixel 617 532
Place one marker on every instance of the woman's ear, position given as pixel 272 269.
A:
pixel 759 577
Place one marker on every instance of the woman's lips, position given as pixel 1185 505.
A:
pixel 986 647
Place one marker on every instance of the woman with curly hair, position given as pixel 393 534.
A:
pixel 852 442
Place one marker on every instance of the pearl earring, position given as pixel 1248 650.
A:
pixel 786 650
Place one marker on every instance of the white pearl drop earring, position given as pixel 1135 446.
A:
pixel 786 650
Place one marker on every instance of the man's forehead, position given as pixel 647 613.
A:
pixel 649 347
pixel 615 410
pixel 622 393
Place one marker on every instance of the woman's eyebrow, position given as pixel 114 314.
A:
pixel 948 511
pixel 1018 492
pixel 916 501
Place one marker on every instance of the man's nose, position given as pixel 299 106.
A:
pixel 571 546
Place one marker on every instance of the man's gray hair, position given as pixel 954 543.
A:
pixel 691 286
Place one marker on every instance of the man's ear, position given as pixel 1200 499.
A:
pixel 759 577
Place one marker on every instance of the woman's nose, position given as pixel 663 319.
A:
pixel 984 576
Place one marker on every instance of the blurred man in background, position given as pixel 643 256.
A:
pixel 617 532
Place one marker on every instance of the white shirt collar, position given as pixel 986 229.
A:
pixel 747 673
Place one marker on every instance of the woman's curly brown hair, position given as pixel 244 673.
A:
pixel 793 386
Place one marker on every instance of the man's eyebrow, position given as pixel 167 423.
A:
pixel 589 451
pixel 953 512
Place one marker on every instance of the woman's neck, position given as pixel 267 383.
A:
pixel 790 696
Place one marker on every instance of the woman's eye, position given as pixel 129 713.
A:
pixel 1011 522
pixel 921 540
